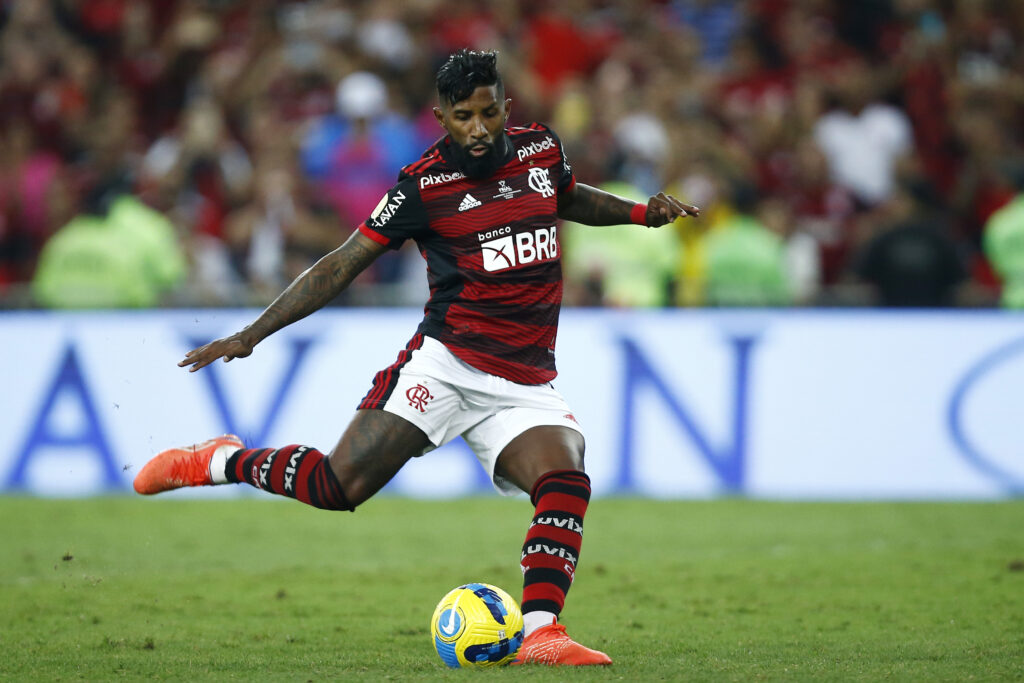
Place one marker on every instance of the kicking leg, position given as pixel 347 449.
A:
pixel 547 462
pixel 373 448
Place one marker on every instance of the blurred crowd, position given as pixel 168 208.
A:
pixel 204 152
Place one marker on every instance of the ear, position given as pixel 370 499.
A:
pixel 508 108
pixel 439 115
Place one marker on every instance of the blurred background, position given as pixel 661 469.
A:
pixel 854 161
pixel 204 152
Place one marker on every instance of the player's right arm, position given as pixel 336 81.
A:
pixel 309 292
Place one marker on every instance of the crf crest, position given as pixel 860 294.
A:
pixel 418 397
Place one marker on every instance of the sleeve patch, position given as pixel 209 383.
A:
pixel 381 205
pixel 386 209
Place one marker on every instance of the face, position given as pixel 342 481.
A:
pixel 476 126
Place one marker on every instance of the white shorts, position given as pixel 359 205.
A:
pixel 446 397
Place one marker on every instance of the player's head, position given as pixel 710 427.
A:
pixel 473 110
pixel 464 72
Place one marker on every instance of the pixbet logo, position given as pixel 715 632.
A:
pixel 535 147
pixel 428 180
pixel 517 250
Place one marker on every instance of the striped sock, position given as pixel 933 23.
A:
pixel 299 472
pixel 552 546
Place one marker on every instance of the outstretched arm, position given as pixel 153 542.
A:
pixel 309 292
pixel 591 206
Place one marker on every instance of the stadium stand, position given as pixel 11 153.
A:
pixel 243 122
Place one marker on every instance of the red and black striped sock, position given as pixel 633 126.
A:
pixel 299 472
pixel 553 541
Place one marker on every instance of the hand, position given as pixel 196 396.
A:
pixel 664 208
pixel 235 346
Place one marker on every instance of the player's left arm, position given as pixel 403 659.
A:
pixel 591 206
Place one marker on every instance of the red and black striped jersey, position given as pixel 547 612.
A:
pixel 492 251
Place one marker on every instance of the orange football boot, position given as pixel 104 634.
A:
pixel 550 645
pixel 178 467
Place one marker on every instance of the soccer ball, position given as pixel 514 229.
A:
pixel 477 625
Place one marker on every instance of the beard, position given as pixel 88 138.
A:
pixel 482 166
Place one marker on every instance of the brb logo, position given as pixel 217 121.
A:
pixel 517 250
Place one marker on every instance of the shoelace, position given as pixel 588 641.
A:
pixel 551 646
pixel 559 628
pixel 188 469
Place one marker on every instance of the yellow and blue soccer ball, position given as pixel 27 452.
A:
pixel 477 625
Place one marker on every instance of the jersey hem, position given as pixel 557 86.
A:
pixel 536 377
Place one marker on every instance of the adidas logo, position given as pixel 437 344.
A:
pixel 469 202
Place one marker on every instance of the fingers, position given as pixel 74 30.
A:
pixel 199 365
pixel 203 356
pixel 666 208
pixel 676 208
pixel 228 348
pixel 686 209
pixel 196 361
pixel 188 359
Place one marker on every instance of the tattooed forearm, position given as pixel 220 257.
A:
pixel 591 206
pixel 316 287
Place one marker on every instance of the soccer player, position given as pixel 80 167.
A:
pixel 482 204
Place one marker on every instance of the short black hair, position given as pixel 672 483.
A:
pixel 464 72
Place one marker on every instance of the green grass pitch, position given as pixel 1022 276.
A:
pixel 734 590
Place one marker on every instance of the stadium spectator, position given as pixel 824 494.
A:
pixel 911 261
pixel 863 138
pixel 29 173
pixel 277 235
pixel 354 156
pixel 198 171
pixel 716 22
pixel 745 261
pixel 819 207
pixel 119 253
pixel 1004 244
pixel 800 251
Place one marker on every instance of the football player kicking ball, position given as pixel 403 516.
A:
pixel 482 206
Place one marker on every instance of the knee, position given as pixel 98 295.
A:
pixel 570 482
pixel 538 451
pixel 358 478
pixel 357 492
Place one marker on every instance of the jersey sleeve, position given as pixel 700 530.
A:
pixel 399 215
pixel 562 170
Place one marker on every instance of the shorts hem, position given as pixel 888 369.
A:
pixel 504 486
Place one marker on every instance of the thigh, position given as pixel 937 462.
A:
pixel 373 448
pixel 539 450
pixel 532 431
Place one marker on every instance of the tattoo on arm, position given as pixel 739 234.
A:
pixel 591 206
pixel 317 286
